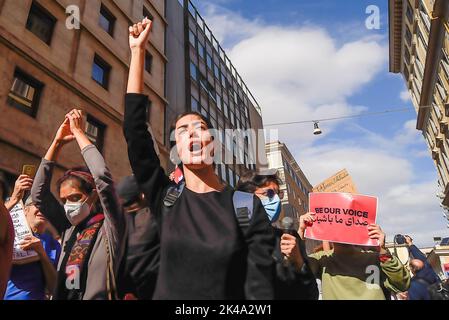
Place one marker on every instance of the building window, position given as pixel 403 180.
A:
pixel 100 72
pixel 201 50
pixel 194 105
pixel 409 13
pixel 193 72
pixel 148 61
pixel 107 20
pixel 231 177
pixel 424 17
pixel 223 172
pixel 423 39
pixel 192 9
pixel 408 37
pixel 41 23
pixel 95 132
pixel 146 13
pixel 25 93
pixel 217 72
pixel 420 68
pixel 226 110
pixel 192 38
pixel 209 61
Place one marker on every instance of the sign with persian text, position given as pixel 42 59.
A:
pixel 342 218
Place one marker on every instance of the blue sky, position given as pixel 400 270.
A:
pixel 313 59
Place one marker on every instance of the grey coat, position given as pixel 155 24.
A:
pixel 101 274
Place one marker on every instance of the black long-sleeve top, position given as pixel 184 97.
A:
pixel 204 254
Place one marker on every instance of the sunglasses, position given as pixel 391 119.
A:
pixel 270 193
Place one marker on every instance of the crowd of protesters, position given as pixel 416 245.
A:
pixel 156 236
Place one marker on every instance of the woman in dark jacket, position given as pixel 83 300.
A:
pixel 204 253
pixel 92 239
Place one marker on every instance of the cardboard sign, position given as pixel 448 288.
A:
pixel 342 218
pixel 21 230
pixel 339 182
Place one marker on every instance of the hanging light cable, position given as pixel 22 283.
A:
pixel 366 114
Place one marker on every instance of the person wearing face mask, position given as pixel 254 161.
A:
pixel 203 252
pixel 293 278
pixel 31 281
pixel 90 220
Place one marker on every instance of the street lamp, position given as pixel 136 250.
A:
pixel 316 129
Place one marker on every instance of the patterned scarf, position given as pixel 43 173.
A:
pixel 81 247
pixel 72 276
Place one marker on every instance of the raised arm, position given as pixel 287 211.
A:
pixel 104 183
pixel 139 35
pixel 23 183
pixel 40 191
pixel 141 152
pixel 414 251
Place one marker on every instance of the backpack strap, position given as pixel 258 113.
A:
pixel 243 208
pixel 243 204
pixel 173 193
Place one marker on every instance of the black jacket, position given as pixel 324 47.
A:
pixel 291 284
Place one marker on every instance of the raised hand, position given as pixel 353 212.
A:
pixel 139 34
pixel 306 220
pixel 23 183
pixel 77 125
pixel 288 245
pixel 76 121
pixel 64 134
pixel 375 232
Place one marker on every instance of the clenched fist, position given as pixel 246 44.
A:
pixel 139 34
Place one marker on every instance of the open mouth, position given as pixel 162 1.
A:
pixel 195 147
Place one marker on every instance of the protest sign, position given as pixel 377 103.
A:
pixel 21 231
pixel 342 218
pixel 339 182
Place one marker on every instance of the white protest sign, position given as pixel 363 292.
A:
pixel 22 230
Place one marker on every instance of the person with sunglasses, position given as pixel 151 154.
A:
pixel 293 279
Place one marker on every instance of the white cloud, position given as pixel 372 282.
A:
pixel 301 73
pixel 405 96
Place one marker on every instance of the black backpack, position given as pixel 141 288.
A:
pixel 439 290
pixel 243 204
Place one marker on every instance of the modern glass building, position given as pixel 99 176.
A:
pixel 214 88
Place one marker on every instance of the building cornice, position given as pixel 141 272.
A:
pixel 433 58
pixel 395 10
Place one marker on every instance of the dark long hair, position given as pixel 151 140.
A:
pixel 250 181
pixel 182 115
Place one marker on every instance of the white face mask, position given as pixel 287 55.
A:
pixel 76 212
